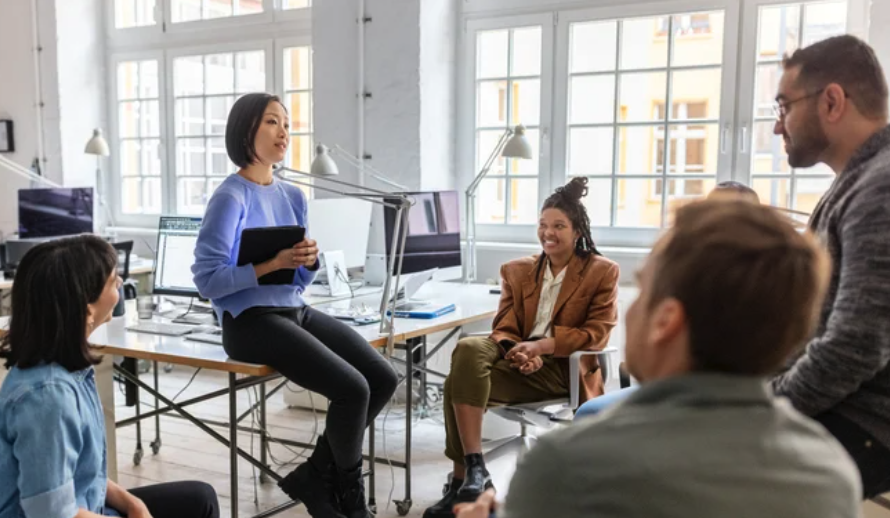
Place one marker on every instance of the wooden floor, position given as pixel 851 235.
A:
pixel 187 453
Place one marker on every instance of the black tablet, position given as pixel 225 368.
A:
pixel 260 244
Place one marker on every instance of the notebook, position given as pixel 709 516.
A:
pixel 260 244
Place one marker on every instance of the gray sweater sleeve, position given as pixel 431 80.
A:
pixel 855 344
pixel 538 486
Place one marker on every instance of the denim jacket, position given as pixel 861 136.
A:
pixel 52 444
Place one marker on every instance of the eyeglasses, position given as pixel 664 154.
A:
pixel 780 109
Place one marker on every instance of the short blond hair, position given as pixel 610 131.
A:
pixel 752 287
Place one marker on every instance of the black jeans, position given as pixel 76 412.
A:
pixel 324 355
pixel 179 500
pixel 871 457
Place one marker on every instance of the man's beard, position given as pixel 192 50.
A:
pixel 807 146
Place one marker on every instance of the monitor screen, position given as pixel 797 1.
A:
pixel 55 212
pixel 433 231
pixel 177 238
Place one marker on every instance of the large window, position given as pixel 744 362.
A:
pixel 297 84
pixel 652 104
pixel 139 136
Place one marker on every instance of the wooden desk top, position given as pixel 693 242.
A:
pixel 474 303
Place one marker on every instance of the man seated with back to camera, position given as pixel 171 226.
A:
pixel 717 313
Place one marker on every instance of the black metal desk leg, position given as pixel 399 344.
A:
pixel 263 435
pixel 233 443
pixel 372 460
pixel 156 444
pixel 404 506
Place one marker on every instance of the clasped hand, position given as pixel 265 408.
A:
pixel 526 356
pixel 304 253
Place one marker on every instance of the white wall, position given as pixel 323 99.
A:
pixel 438 94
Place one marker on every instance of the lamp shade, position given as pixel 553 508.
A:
pixel 323 165
pixel 518 146
pixel 97 144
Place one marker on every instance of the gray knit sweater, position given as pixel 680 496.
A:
pixel 845 366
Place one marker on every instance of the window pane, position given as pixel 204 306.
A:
pixel 592 46
pixel 190 157
pixel 765 88
pixel 130 155
pixel 300 151
pixel 133 13
pixel 188 75
pixel 809 192
pixel 299 106
pixel 590 151
pixel 148 84
pixel 218 109
pixel 151 196
pixel 775 192
pixel 219 71
pixel 638 149
pixel 778 31
pixel 693 149
pixel 523 166
pixel 642 43
pixel 639 92
pixel 486 141
pixel 526 55
pixel 150 123
pixel 490 206
pixel 150 157
pixel 219 159
pixel 492 54
pixel 190 116
pixel 526 102
pixel 251 72
pixel 685 192
pixel 131 196
pixel 638 204
pixel 698 39
pixel 217 9
pixel 249 6
pixel 192 195
pixel 186 10
pixel 295 4
pixel 592 100
pixel 127 80
pixel 769 151
pixel 297 65
pixel 696 94
pixel 491 107
pixel 523 201
pixel 128 117
pixel 599 201
pixel 823 20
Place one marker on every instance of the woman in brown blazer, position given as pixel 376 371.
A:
pixel 553 304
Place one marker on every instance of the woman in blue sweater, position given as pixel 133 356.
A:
pixel 271 325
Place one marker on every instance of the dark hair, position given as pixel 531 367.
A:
pixel 737 188
pixel 568 200
pixel 53 285
pixel 751 295
pixel 846 61
pixel 242 125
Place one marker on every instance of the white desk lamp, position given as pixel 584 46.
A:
pixel 97 145
pixel 324 165
pixel 512 144
pixel 399 202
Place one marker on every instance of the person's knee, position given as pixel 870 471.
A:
pixel 204 498
pixel 353 389
pixel 388 381
pixel 471 352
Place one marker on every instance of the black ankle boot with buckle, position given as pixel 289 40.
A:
pixel 314 489
pixel 477 479
pixel 444 508
pixel 351 493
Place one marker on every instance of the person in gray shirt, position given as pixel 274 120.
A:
pixel 704 436
pixel 832 108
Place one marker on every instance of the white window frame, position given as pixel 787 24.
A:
pixel 467 132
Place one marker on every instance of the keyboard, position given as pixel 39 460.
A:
pixel 162 328
pixel 212 337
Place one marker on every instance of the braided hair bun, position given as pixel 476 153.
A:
pixel 568 200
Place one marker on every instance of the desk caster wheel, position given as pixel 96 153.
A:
pixel 403 506
pixel 155 446
pixel 263 478
pixel 137 457
pixel 168 368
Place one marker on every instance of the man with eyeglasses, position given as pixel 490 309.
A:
pixel 832 108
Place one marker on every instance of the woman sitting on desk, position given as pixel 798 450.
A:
pixel 553 304
pixel 52 428
pixel 271 325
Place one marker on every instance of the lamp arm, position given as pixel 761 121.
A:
pixel 352 160
pixel 489 162
pixel 372 195
pixel 25 173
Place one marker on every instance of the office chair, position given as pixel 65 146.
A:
pixel 125 248
pixel 543 414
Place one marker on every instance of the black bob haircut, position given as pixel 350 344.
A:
pixel 53 285
pixel 242 125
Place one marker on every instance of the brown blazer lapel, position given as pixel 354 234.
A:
pixel 531 294
pixel 570 283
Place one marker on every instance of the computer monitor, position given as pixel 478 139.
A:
pixel 55 212
pixel 433 239
pixel 177 238
pixel 341 224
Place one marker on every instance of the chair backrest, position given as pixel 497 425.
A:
pixel 124 248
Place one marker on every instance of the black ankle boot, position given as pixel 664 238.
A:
pixel 351 493
pixel 444 508
pixel 477 480
pixel 308 485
